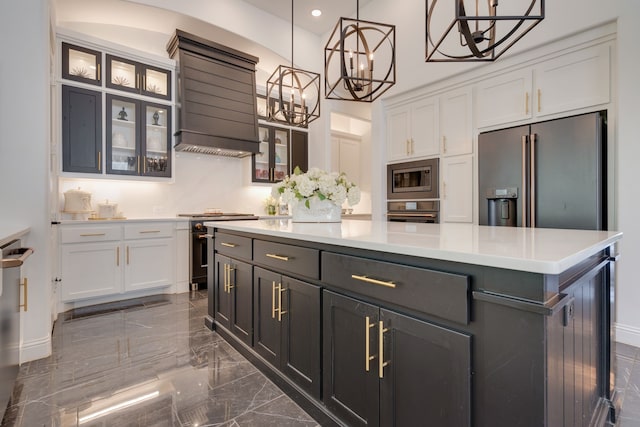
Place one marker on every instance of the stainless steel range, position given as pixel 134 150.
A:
pixel 198 247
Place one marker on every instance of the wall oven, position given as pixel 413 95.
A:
pixel 413 180
pixel 427 211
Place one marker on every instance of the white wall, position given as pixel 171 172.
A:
pixel 24 155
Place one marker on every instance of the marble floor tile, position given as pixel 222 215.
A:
pixel 146 362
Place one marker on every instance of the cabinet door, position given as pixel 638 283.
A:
pixel 455 123
pixel 300 315
pixel 350 390
pixel 148 263
pixel 261 161
pixel 427 374
pixel 90 270
pixel 299 151
pixel 156 139
pixel 504 99
pixel 81 64
pixel 281 154
pixel 576 80
pixel 424 128
pixel 241 289
pixel 222 300
pixel 266 325
pixel 398 133
pixel 156 82
pixel 457 189
pixel 81 130
pixel 122 74
pixel 123 136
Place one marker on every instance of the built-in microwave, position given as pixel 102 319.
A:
pixel 413 180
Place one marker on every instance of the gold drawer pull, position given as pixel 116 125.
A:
pixel 281 290
pixel 373 281
pixel 149 231
pixel 92 234
pixel 280 257
pixel 367 345
pixel 229 245
pixel 381 362
pixel 25 295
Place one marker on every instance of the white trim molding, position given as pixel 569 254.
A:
pixel 627 334
pixel 35 349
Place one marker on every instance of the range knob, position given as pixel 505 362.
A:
pixel 198 226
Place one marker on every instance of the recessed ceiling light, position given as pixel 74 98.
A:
pixel 316 12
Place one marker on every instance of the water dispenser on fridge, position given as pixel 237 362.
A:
pixel 502 206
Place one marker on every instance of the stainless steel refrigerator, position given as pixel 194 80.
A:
pixel 549 174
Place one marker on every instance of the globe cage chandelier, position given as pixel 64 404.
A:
pixel 293 95
pixel 349 55
pixel 479 37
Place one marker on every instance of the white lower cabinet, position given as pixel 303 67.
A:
pixel 457 189
pixel 111 259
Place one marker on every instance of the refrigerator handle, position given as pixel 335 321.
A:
pixel 525 175
pixel 532 179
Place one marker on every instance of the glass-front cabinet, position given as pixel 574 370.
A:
pixel 136 77
pixel 271 164
pixel 138 137
pixel 81 64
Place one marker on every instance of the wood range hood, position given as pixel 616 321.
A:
pixel 216 94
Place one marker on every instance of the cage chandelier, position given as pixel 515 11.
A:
pixel 349 56
pixel 476 32
pixel 293 95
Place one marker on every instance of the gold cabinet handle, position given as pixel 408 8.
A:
pixel 526 103
pixel 407 150
pixel 280 257
pixel 367 344
pixel 25 294
pixel 281 290
pixel 381 362
pixel 273 300
pixel 138 165
pixel 444 144
pixel 148 231
pixel 117 256
pixel 127 255
pixel 99 73
pixel 226 275
pixel 228 245
pixel 137 81
pixel 99 161
pixel 373 281
pixel 444 190
pixel 228 286
pixel 92 234
pixel 539 96
pixel 413 146
pixel 144 164
pixel 144 82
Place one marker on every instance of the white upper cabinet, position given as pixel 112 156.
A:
pixel 572 81
pixel 576 80
pixel 412 130
pixel 457 189
pixel 456 127
pixel 504 99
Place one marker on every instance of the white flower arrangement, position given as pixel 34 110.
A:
pixel 316 184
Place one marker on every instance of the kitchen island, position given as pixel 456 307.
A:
pixel 383 323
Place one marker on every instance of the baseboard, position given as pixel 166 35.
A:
pixel 35 349
pixel 627 334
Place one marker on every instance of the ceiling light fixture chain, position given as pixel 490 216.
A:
pixel 300 86
pixel 356 79
pixel 473 42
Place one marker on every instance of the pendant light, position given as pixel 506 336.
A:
pixel 349 56
pixel 476 32
pixel 293 95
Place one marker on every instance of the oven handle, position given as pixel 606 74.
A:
pixel 204 236
pixel 415 215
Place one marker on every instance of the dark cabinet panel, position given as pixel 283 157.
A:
pixel 427 376
pixel 287 327
pixel 135 77
pixel 350 375
pixel 271 164
pixel 81 130
pixel 299 150
pixel 234 297
pixel 81 64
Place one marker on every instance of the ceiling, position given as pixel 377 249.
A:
pixel 332 10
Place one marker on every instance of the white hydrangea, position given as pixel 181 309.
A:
pixel 338 195
pixel 353 195
pixel 304 185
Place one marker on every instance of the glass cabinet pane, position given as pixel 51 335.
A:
pixel 262 158
pixel 156 83
pixel 81 64
pixel 157 133
pixel 123 156
pixel 281 149
pixel 121 74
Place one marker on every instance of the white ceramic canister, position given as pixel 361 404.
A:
pixel 107 210
pixel 77 201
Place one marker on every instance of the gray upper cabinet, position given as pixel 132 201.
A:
pixel 81 64
pixel 81 130
pixel 135 77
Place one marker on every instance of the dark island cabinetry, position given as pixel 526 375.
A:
pixel 368 338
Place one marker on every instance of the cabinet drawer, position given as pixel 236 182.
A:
pixel 233 246
pixel 440 294
pixel 294 259
pixel 149 230
pixel 101 233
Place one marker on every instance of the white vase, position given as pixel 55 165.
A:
pixel 319 211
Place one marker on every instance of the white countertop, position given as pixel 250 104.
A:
pixel 11 232
pixel 538 250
